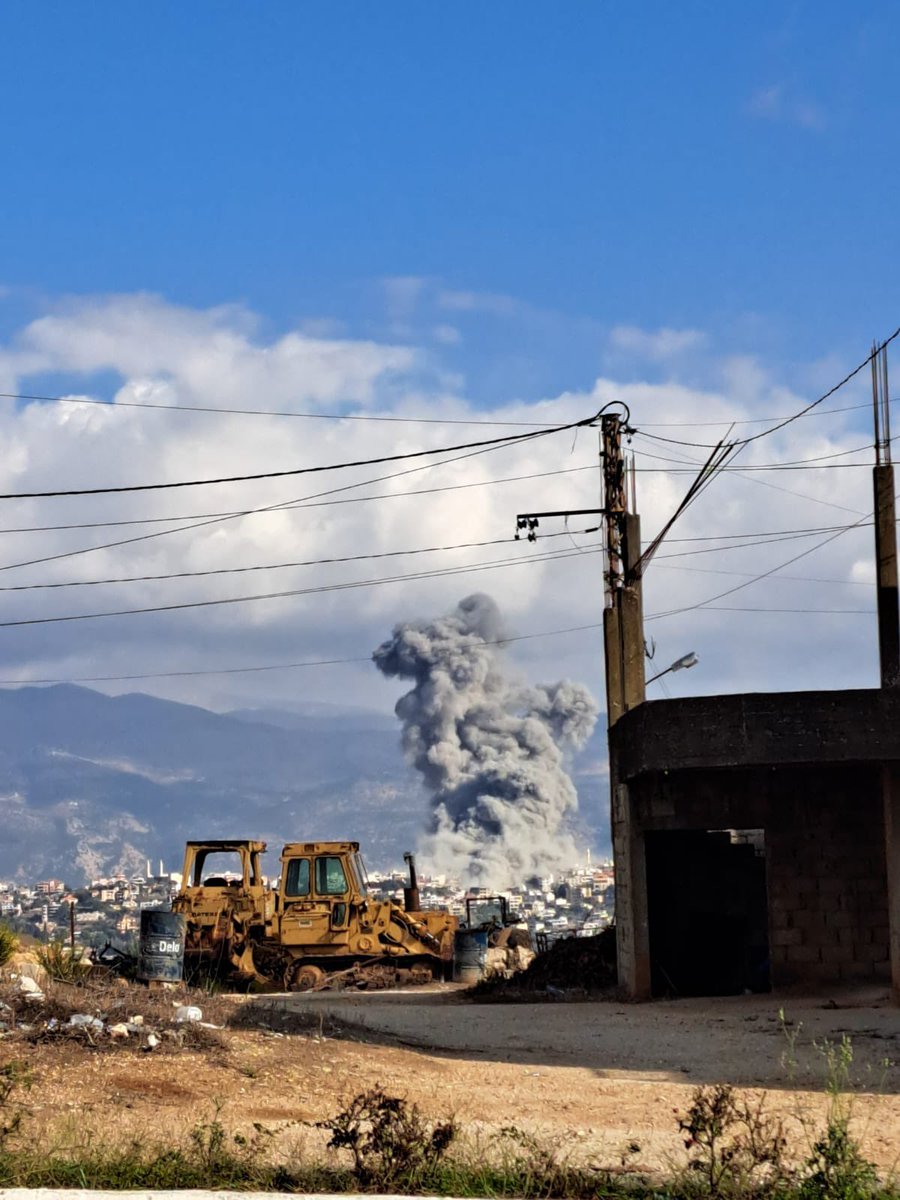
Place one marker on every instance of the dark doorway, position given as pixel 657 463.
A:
pixel 708 913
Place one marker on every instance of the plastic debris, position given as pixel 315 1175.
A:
pixel 85 1021
pixel 119 1030
pixel 29 989
pixel 188 1012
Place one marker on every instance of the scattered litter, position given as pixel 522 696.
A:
pixel 152 1041
pixel 118 1030
pixel 188 1012
pixel 84 1021
pixel 138 1020
pixel 29 988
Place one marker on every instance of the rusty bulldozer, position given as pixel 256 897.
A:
pixel 317 928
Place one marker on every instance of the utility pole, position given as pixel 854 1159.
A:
pixel 623 617
pixel 885 526
pixel 623 624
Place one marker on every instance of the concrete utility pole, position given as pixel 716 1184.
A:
pixel 623 617
pixel 885 526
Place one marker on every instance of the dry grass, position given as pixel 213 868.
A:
pixel 112 1002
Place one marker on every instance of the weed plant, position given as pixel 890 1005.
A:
pixel 9 944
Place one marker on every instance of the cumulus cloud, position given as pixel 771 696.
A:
pixel 168 355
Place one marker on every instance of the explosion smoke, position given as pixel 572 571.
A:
pixel 490 749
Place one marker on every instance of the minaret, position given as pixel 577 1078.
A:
pixel 149 872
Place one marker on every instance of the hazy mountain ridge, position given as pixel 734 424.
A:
pixel 90 784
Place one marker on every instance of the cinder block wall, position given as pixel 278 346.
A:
pixel 827 880
pixel 825 857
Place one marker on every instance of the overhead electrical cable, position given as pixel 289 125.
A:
pixel 486 443
pixel 221 410
pixel 756 579
pixel 216 519
pixel 277 566
pixel 553 556
pixel 869 583
pixel 290 666
pixel 802 412
pixel 744 541
pixel 775 487
pixel 301 503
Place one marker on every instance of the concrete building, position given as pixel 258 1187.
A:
pixel 757 841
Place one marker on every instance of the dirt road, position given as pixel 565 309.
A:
pixel 590 1078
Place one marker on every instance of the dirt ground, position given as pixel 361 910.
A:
pixel 589 1077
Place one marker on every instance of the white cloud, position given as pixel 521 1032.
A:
pixel 446 335
pixel 659 344
pixel 494 303
pixel 778 102
pixel 166 354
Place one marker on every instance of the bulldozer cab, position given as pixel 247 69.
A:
pixel 321 882
pixel 217 865
pixel 487 912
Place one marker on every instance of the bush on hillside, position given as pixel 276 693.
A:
pixel 9 944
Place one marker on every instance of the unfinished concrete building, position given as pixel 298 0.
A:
pixel 756 840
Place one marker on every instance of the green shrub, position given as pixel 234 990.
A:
pixel 62 963
pixel 9 944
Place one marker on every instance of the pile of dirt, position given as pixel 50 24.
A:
pixel 572 968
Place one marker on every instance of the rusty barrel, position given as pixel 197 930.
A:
pixel 161 953
pixel 470 955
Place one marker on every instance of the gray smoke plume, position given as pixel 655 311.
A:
pixel 490 749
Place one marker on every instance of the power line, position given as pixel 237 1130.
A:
pixel 791 578
pixel 784 422
pixel 298 502
pixel 756 579
pixel 114 405
pixel 310 562
pixel 746 541
pixel 869 612
pixel 320 662
pixel 553 556
pixel 291 505
pixel 775 487
pixel 487 443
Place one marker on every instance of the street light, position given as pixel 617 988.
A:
pixel 681 664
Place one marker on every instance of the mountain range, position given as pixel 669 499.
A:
pixel 92 784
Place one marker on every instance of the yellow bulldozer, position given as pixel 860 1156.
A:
pixel 318 928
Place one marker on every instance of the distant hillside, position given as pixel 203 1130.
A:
pixel 91 783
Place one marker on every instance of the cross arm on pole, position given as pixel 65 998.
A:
pixel 530 521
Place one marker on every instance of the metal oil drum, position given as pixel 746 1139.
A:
pixel 470 955
pixel 161 953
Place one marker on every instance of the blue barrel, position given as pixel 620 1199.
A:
pixel 470 955
pixel 161 953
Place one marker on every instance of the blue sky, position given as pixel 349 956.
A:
pixel 516 208
pixel 704 165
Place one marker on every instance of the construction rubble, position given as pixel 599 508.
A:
pixel 569 969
